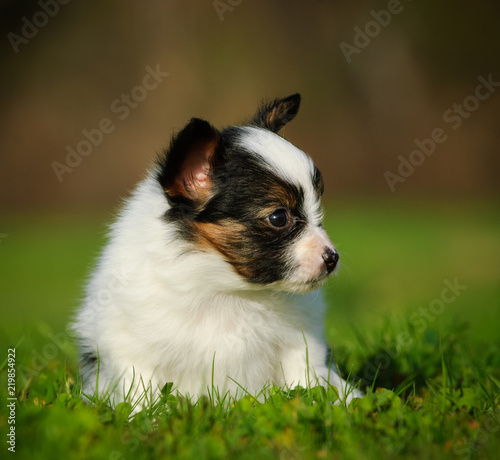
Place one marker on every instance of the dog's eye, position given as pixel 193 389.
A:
pixel 279 218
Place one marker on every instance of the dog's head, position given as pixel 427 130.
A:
pixel 251 196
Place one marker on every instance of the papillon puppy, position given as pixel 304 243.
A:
pixel 210 278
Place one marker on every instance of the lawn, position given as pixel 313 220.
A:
pixel 414 316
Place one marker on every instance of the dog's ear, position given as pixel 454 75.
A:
pixel 186 166
pixel 278 113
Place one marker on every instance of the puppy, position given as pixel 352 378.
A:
pixel 210 278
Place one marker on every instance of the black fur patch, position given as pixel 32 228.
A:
pixel 88 361
pixel 319 185
pixel 234 220
pixel 329 357
pixel 195 134
pixel 277 113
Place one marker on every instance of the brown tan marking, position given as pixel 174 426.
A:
pixel 279 114
pixel 278 196
pixel 224 237
pixel 193 179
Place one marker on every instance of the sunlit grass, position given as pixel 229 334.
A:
pixel 432 374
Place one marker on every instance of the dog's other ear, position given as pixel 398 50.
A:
pixel 278 113
pixel 185 167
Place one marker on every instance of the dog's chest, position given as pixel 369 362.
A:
pixel 233 328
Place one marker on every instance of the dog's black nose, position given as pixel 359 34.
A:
pixel 331 258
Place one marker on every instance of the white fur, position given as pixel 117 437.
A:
pixel 290 162
pixel 160 311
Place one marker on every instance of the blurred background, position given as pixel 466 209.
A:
pixel 356 118
pixel 374 76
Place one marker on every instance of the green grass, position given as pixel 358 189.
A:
pixel 431 370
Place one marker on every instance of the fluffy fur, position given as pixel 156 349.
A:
pixel 211 273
